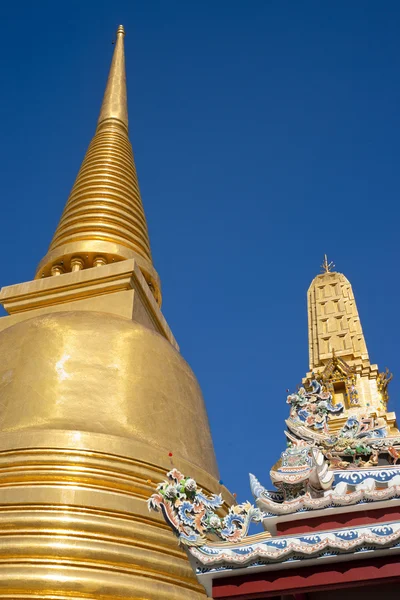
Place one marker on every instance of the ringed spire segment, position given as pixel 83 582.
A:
pixel 103 220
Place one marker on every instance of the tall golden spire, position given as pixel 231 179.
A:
pixel 96 401
pixel 103 220
pixel 115 104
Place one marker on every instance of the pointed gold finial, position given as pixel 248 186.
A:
pixel 103 220
pixel 115 103
pixel 326 265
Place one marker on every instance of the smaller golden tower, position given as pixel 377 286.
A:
pixel 338 351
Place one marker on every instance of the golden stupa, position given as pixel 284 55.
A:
pixel 96 401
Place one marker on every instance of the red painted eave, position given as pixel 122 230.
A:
pixel 265 584
pixel 337 521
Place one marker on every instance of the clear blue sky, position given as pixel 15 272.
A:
pixel 265 134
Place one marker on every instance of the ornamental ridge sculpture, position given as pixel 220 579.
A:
pixel 313 408
pixel 308 474
pixel 192 514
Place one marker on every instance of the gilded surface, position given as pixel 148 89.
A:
pixel 334 323
pixel 96 403
pixel 119 289
pixel 92 406
pixel 103 220
pixel 338 350
pixel 115 102
pixel 95 372
pixel 74 521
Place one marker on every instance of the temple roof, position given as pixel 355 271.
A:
pixel 261 553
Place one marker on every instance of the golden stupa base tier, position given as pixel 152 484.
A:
pixel 74 521
pixel 88 251
pixel 118 288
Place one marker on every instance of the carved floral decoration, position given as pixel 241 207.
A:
pixel 313 408
pixel 315 451
pixel 192 514
pixel 310 412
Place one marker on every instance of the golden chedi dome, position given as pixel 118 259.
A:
pixel 96 372
pixel 96 403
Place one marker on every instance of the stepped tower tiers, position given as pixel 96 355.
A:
pixel 338 351
pixel 96 402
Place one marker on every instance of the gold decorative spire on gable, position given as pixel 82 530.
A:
pixel 338 352
pixel 334 324
pixel 103 220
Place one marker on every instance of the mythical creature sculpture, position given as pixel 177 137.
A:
pixel 363 427
pixel 310 412
pixel 302 469
pixel 313 408
pixel 192 514
pixel 383 381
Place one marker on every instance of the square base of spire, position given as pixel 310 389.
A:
pixel 118 288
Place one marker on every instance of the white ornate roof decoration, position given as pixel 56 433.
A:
pixel 322 468
pixel 192 514
pixel 255 551
pixel 193 517
pixel 340 464
pixel 353 487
